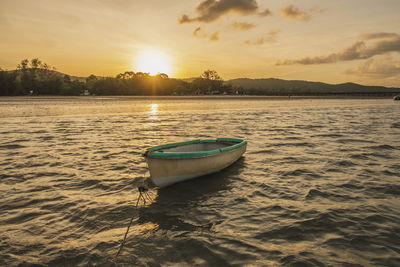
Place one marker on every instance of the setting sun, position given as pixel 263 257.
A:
pixel 153 62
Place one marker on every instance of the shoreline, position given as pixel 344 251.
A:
pixel 189 97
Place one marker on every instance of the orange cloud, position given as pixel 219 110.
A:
pixel 294 13
pixel 270 38
pixel 378 35
pixel 200 33
pixel 265 13
pixel 211 10
pixel 243 26
pixel 388 42
pixel 377 68
pixel 214 36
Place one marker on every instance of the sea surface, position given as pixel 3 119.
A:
pixel 319 184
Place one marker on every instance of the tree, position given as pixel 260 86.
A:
pixel 126 75
pixel 23 65
pixel 90 83
pixel 67 78
pixel 36 63
pixel 91 78
pixel 208 83
pixel 35 76
pixel 142 75
pixel 73 88
pixel 210 75
pixel 162 76
pixel 8 83
pixel 25 80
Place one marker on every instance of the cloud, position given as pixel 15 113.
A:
pixel 273 32
pixel 200 33
pixel 243 26
pixel 265 13
pixel 316 10
pixel 270 38
pixel 214 36
pixel 378 35
pixel 384 43
pixel 259 41
pixel 294 13
pixel 377 68
pixel 211 10
pixel 184 19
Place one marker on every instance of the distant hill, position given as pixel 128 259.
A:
pixel 73 78
pixel 189 80
pixel 272 86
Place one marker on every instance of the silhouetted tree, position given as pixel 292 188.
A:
pixel 38 77
pixel 73 88
pixel 91 78
pixel 208 83
pixel 126 75
pixel 210 75
pixel 162 76
pixel 90 83
pixel 67 78
pixel 8 83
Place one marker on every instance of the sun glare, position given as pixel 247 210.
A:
pixel 154 108
pixel 153 62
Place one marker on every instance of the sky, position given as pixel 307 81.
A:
pixel 332 41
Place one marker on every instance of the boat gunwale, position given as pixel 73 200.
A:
pixel 153 152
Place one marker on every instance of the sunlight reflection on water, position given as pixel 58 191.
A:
pixel 154 109
pixel 62 106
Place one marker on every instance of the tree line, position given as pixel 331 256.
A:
pixel 34 77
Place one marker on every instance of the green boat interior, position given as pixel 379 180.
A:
pixel 194 148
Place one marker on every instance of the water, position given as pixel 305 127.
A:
pixel 319 184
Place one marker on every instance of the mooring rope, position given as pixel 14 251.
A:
pixel 143 194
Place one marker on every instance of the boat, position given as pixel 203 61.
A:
pixel 177 162
pixel 397 97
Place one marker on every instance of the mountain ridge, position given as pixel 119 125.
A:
pixel 275 86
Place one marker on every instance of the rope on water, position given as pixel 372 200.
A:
pixel 144 195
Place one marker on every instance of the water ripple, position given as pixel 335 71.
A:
pixel 318 185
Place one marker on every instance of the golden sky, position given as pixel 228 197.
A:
pixel 316 40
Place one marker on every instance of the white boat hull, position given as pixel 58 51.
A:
pixel 167 171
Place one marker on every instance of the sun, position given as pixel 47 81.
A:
pixel 153 62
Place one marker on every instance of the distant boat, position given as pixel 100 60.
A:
pixel 177 162
pixel 397 97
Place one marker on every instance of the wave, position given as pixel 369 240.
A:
pixel 11 146
pixel 314 185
